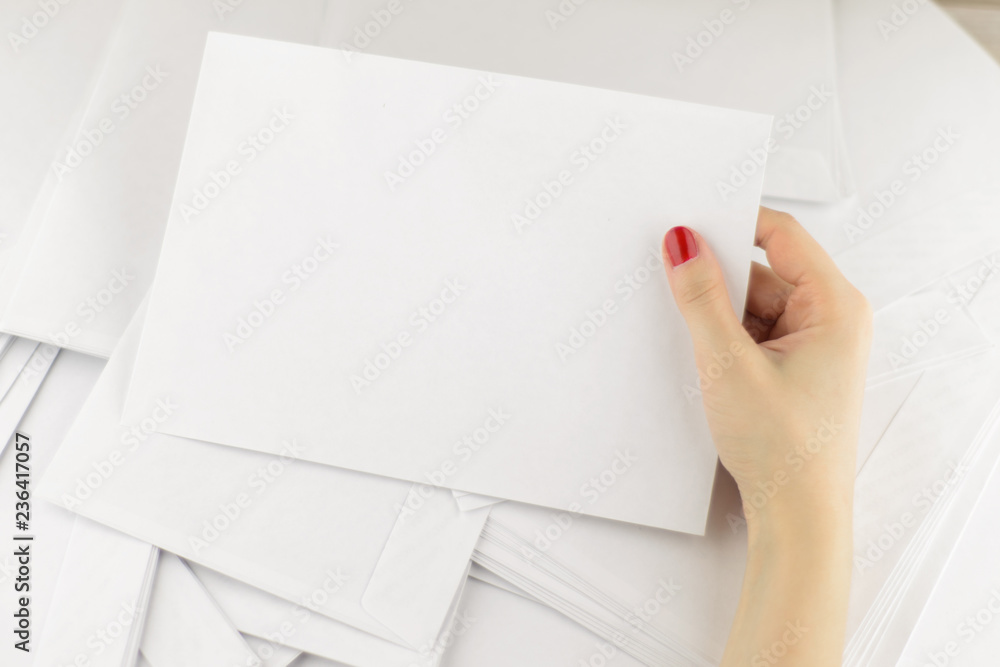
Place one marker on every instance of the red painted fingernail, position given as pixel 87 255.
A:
pixel 680 245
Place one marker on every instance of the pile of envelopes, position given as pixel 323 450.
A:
pixel 338 332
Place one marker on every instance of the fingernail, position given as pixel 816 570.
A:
pixel 680 245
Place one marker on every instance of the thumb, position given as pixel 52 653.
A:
pixel 700 293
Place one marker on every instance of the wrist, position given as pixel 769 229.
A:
pixel 802 523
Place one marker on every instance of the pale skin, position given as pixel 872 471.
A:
pixel 784 418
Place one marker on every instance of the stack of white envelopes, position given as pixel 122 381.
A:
pixel 338 333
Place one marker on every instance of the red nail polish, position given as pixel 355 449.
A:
pixel 680 245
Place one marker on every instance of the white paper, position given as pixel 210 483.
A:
pixel 93 257
pixel 590 568
pixel 921 129
pixel 185 628
pixel 20 395
pixel 948 628
pixel 692 51
pixel 443 246
pixel 46 422
pixel 371 539
pixel 13 361
pixel 98 609
pixel 271 655
pixel 287 624
pixel 48 66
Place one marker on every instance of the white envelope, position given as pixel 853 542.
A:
pixel 99 607
pixel 947 628
pixel 901 602
pixel 46 422
pixel 496 628
pixel 13 361
pixel 769 56
pixel 360 549
pixel 920 100
pixel 567 560
pixel 95 250
pixel 101 216
pixel 555 351
pixel 48 66
pixel 280 623
pixel 501 629
pixel 921 129
pixel 185 628
pixel 22 392
pixel 928 328
pixel 269 654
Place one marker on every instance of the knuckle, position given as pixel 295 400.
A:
pixel 786 220
pixel 854 312
pixel 702 292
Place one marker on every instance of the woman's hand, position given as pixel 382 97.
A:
pixel 782 392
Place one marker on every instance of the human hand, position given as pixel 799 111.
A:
pixel 784 415
pixel 782 392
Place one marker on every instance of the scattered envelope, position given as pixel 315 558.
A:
pixel 185 628
pixel 691 51
pixel 48 66
pixel 26 384
pixel 45 422
pixel 373 540
pixel 947 627
pixel 95 250
pixel 280 623
pixel 13 361
pixel 271 655
pixel 665 588
pixel 105 579
pixel 421 325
